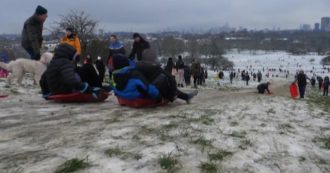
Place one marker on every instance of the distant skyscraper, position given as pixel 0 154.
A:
pixel 325 24
pixel 317 27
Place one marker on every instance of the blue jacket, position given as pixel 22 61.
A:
pixel 131 84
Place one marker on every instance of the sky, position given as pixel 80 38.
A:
pixel 161 15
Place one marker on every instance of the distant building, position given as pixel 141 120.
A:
pixel 305 27
pixel 317 27
pixel 325 24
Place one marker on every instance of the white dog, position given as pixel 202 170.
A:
pixel 21 66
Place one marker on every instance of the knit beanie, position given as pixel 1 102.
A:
pixel 40 10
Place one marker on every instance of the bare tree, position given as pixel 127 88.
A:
pixel 82 23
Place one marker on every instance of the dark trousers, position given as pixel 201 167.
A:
pixel 325 91
pixel 33 55
pixel 302 91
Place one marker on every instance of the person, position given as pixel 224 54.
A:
pixel 231 77
pixel 320 82
pixel 180 70
pixel 326 84
pixel 60 76
pixel 72 39
pixel 221 75
pixel 313 81
pixel 263 87
pixel 301 79
pixel 100 68
pixel 187 75
pixel 89 74
pixel 169 65
pixel 247 78
pixel 145 80
pixel 139 45
pixel 195 71
pixel 32 32
pixel 115 47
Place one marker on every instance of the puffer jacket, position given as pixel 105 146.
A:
pixel 60 76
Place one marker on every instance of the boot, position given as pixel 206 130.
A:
pixel 190 96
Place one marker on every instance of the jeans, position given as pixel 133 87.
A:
pixel 302 91
pixel 32 54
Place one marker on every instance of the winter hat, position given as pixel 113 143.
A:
pixel 65 50
pixel 40 10
pixel 119 61
pixel 69 29
pixel 135 35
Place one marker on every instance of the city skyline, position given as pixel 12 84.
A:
pixel 160 15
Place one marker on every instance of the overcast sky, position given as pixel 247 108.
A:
pixel 159 15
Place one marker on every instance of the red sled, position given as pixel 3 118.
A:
pixel 78 97
pixel 3 96
pixel 140 103
pixel 294 90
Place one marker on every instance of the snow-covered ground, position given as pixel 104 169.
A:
pixel 263 133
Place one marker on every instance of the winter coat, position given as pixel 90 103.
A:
pixel 60 76
pixel 169 67
pixel 72 40
pixel 89 74
pixel 138 48
pixel 115 48
pixel 195 69
pixel 326 82
pixel 130 84
pixel 187 72
pixel 301 78
pixel 179 65
pixel 32 34
pixel 263 87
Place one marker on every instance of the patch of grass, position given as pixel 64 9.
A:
pixel 324 141
pixel 208 167
pixel 245 144
pixel 171 125
pixel 286 127
pixel 169 163
pixel 72 165
pixel 315 99
pixel 204 119
pixel 270 111
pixel 202 142
pixel 219 155
pixel 234 123
pixel 238 134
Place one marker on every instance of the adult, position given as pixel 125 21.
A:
pixel 326 84
pixel 169 65
pixel 32 32
pixel 115 47
pixel 302 82
pixel 180 70
pixel 71 38
pixel 187 75
pixel 139 45
pixel 195 71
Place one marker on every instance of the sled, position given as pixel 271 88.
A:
pixel 78 97
pixel 294 90
pixel 3 96
pixel 141 103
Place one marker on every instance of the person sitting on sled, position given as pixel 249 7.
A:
pixel 263 87
pixel 153 76
pixel 60 76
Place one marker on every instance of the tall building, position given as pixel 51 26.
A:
pixel 305 27
pixel 325 24
pixel 317 27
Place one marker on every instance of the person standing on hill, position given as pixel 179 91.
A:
pixel 32 32
pixel 72 39
pixel 320 82
pixel 259 76
pixel 326 84
pixel 195 71
pixel 302 82
pixel 180 69
pixel 115 48
pixel 231 77
pixel 139 45
pixel 247 78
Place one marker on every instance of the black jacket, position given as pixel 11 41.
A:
pixel 138 48
pixel 60 76
pixel 301 78
pixel 263 87
pixel 179 65
pixel 32 34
